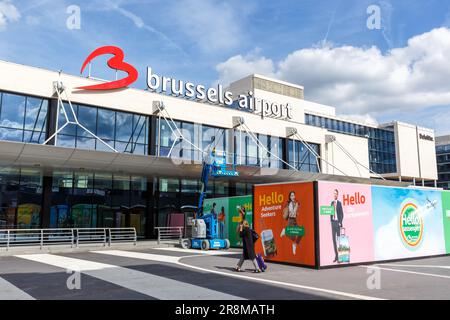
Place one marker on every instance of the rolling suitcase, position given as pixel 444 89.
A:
pixel 261 264
pixel 343 247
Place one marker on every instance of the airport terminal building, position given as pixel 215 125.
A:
pixel 128 157
pixel 443 161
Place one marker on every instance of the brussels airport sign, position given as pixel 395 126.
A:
pixel 179 88
pixel 217 95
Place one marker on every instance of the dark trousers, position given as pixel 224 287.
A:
pixel 242 259
pixel 335 233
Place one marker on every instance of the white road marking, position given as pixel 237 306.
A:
pixel 9 291
pixel 139 255
pixel 145 283
pixel 201 252
pixel 407 271
pixel 148 256
pixel 414 266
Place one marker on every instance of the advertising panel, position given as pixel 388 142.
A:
pixel 446 218
pixel 407 222
pixel 28 216
pixel 220 207
pixel 345 223
pixel 239 208
pixel 284 219
pixel 230 211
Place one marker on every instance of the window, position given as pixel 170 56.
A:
pixel 22 118
pixel 123 131
pixel 251 151
pixel 187 150
pixel 196 136
pixel 86 199
pixel 169 185
pixel 301 157
pixel 381 142
pixel 166 140
pixel 189 186
pixel 20 198
pixel 214 136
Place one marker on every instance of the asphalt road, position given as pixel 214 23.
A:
pixel 173 273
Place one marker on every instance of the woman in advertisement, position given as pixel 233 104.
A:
pixel 248 247
pixel 221 219
pixel 290 213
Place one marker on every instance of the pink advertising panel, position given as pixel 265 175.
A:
pixel 345 223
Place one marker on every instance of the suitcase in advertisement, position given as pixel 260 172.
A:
pixel 343 247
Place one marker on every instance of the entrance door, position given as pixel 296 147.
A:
pixel 133 217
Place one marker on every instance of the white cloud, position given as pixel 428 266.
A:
pixel 388 244
pixel 361 80
pixel 211 25
pixel 240 66
pixel 8 13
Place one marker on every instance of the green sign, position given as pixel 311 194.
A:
pixel 229 211
pixel 238 205
pixel 446 217
pixel 293 231
pixel 327 210
pixel 411 225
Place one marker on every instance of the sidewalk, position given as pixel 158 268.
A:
pixel 143 244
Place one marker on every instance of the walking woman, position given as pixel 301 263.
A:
pixel 290 213
pixel 248 247
pixel 241 211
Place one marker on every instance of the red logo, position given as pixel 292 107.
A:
pixel 115 62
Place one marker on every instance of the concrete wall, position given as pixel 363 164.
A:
pixel 427 154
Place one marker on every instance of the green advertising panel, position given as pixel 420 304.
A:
pixel 221 210
pixel 229 211
pixel 238 206
pixel 446 217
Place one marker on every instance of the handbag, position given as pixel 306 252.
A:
pixel 255 235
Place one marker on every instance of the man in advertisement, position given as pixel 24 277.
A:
pixel 336 222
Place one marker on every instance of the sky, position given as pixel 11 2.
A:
pixel 396 70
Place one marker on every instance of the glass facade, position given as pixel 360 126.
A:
pixel 126 132
pixel 443 163
pixel 20 198
pixel 202 136
pixel 301 158
pixel 382 154
pixel 91 200
pixel 173 195
pixel 249 153
pixel 22 118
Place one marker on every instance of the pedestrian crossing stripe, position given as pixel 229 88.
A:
pixel 151 285
pixel 8 291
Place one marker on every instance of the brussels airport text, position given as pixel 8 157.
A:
pixel 180 88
